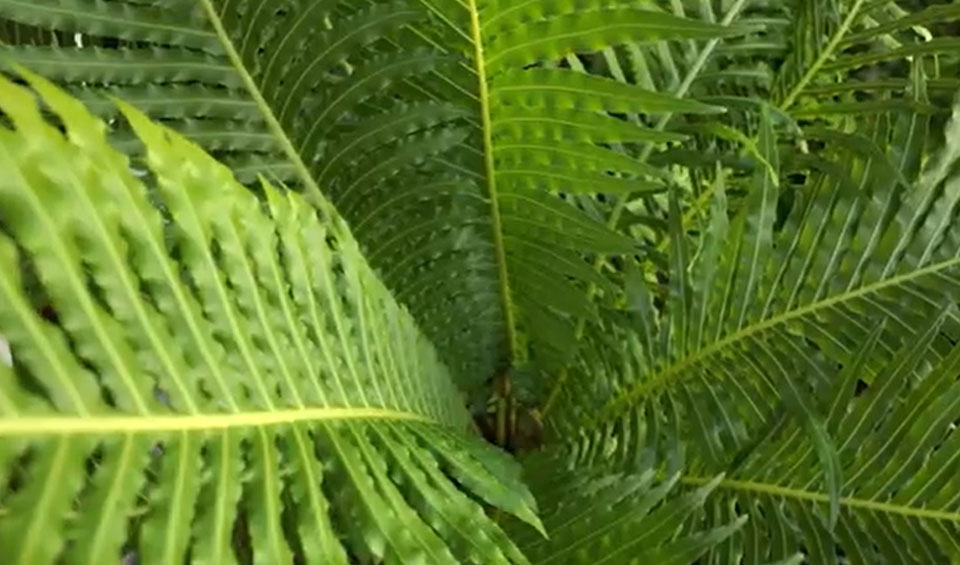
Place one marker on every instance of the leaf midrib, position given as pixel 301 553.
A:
pixel 819 497
pixel 122 424
pixel 490 170
pixel 665 377
pixel 316 197
pixel 313 192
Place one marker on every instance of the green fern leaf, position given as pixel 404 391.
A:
pixel 616 518
pixel 295 93
pixel 218 364
pixel 759 322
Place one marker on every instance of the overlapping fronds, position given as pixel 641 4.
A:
pixel 897 457
pixel 814 58
pixel 899 500
pixel 755 320
pixel 547 133
pixel 323 95
pixel 853 58
pixel 723 71
pixel 824 61
pixel 215 375
pixel 715 241
pixel 457 139
pixel 869 234
pixel 604 516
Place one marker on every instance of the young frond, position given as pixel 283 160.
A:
pixel 548 133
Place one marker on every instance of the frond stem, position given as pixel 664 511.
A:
pixel 104 424
pixel 496 221
pixel 663 377
pixel 822 58
pixel 848 501
pixel 313 192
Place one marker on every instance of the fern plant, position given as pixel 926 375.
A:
pixel 272 269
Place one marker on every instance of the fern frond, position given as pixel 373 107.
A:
pixel 751 330
pixel 297 91
pixel 855 35
pixel 896 446
pixel 825 45
pixel 325 76
pixel 220 365
pixel 545 137
pixel 845 246
pixel 600 516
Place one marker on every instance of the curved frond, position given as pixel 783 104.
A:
pixel 215 365
pixel 326 77
pixel 273 263
pixel 854 246
pixel 297 91
pixel 839 42
pixel 546 136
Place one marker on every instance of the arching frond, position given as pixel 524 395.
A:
pixel 360 99
pixel 546 136
pixel 715 243
pixel 218 366
pixel 856 42
pixel 875 224
pixel 310 93
pixel 814 61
